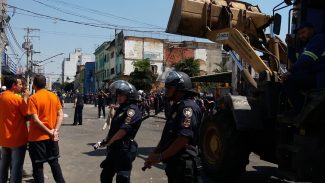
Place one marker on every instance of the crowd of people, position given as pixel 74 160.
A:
pixel 38 118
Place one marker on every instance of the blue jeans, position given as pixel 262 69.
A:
pixel 14 158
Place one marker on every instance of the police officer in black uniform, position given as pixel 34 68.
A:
pixel 178 144
pixel 121 147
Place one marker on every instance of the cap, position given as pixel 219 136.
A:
pixel 303 25
pixel 3 88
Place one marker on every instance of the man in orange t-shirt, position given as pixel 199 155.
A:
pixel 46 118
pixel 13 130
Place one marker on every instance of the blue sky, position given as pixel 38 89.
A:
pixel 56 36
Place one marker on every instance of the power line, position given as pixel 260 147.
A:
pixel 86 17
pixel 14 37
pixel 103 13
pixel 81 23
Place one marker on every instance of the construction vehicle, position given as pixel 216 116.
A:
pixel 249 117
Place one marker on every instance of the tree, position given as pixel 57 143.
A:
pixel 142 77
pixel 56 86
pixel 189 66
pixel 67 87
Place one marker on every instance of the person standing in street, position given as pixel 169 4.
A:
pixel 13 131
pixel 101 103
pixel 178 144
pixel 79 105
pixel 121 147
pixel 46 118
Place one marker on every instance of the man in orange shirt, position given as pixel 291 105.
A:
pixel 46 118
pixel 13 130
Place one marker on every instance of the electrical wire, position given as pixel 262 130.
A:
pixel 102 13
pixel 86 17
pixel 14 37
pixel 80 23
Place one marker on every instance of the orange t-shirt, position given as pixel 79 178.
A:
pixel 13 128
pixel 46 105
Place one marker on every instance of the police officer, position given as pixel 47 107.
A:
pixel 121 147
pixel 178 144
pixel 79 105
pixel 308 70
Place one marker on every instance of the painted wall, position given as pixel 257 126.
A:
pixel 175 55
pixel 89 78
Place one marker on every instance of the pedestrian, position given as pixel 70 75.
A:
pixel 13 130
pixel 178 144
pixel 121 146
pixel 46 118
pixel 101 103
pixel 78 105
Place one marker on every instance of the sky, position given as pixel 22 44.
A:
pixel 57 34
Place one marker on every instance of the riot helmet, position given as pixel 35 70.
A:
pixel 124 88
pixel 180 81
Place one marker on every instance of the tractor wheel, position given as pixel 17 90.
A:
pixel 224 149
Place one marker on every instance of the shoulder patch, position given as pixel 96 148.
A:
pixel 129 114
pixel 188 112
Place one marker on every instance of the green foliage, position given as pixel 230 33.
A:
pixel 56 86
pixel 142 77
pixel 221 67
pixel 67 87
pixel 142 65
pixel 189 66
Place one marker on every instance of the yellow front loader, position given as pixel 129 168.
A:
pixel 248 120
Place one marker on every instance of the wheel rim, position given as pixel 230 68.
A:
pixel 212 147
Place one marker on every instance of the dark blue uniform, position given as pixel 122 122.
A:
pixel 307 72
pixel 78 110
pixel 121 153
pixel 184 119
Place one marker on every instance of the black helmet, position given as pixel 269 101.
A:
pixel 180 81
pixel 125 88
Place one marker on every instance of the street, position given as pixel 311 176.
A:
pixel 80 162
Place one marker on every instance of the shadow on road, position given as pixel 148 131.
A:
pixel 143 153
pixel 98 152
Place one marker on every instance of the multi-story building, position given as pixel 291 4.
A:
pixel 70 65
pixel 101 72
pixel 115 59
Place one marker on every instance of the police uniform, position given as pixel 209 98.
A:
pixel 121 153
pixel 184 119
pixel 307 71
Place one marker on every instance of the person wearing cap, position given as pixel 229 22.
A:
pixel 178 144
pixel 308 70
pixel 121 146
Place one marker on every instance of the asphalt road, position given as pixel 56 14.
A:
pixel 80 162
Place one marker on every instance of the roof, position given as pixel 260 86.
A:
pixel 223 77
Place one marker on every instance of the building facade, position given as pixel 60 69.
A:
pixel 101 71
pixel 70 65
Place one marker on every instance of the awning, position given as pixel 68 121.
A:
pixel 223 77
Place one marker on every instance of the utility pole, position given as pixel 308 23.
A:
pixel 28 46
pixel 3 39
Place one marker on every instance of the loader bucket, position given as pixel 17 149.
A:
pixel 194 17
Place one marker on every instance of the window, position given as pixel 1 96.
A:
pixel 112 54
pixel 112 71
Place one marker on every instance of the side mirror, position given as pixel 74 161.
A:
pixel 276 24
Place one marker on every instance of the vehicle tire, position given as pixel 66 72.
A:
pixel 224 149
